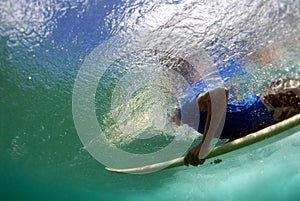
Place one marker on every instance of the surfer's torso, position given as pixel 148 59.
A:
pixel 242 118
pixel 278 101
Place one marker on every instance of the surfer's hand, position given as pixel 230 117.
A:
pixel 193 157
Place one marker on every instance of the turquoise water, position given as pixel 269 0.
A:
pixel 43 45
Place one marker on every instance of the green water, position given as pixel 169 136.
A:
pixel 42 157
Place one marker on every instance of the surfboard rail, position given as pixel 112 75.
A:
pixel 245 141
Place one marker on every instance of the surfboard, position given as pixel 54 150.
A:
pixel 269 134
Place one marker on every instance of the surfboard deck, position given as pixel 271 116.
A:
pixel 275 132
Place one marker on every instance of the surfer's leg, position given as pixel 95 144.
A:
pixel 282 98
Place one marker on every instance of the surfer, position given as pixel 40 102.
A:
pixel 278 101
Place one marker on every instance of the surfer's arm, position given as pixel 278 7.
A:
pixel 195 155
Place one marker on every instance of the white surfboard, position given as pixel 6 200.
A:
pixel 272 133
